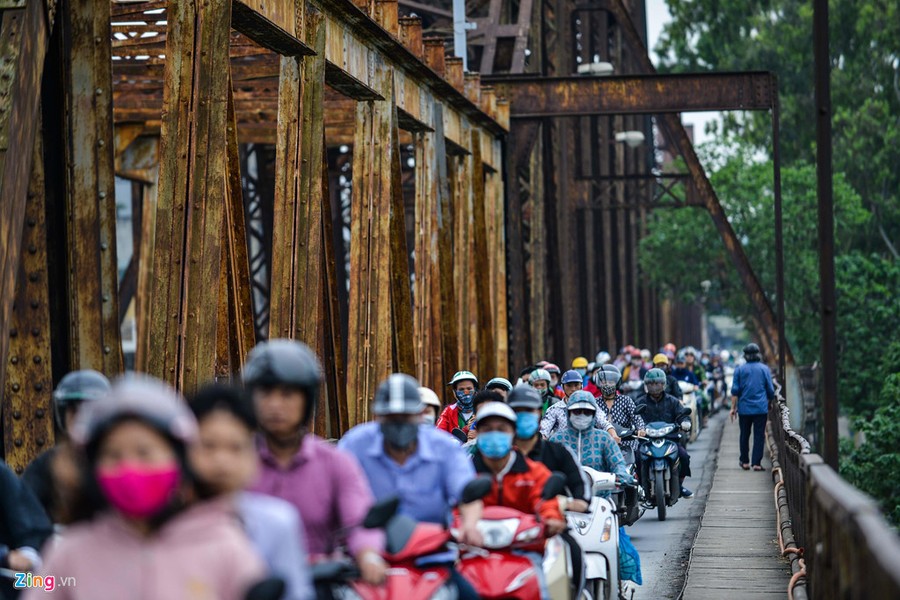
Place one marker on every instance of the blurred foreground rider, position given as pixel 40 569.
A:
pixel 325 484
pixel 423 466
pixel 54 476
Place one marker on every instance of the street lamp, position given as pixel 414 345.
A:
pixel 632 139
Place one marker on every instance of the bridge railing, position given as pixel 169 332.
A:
pixel 839 543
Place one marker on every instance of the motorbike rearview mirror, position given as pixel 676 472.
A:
pixel 460 435
pixel 555 486
pixel 271 588
pixel 686 412
pixel 476 489
pixel 381 512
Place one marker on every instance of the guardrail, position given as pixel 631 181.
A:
pixel 839 543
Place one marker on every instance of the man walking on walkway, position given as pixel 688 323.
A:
pixel 751 391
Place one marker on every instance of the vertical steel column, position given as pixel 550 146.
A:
pixel 779 233
pixel 826 233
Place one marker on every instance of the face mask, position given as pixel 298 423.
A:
pixel 636 362
pixel 465 401
pixel 607 389
pixel 428 419
pixel 139 492
pixel 581 422
pixel 581 372
pixel 399 435
pixel 526 425
pixel 494 444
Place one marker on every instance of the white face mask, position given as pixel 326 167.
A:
pixel 428 418
pixel 581 422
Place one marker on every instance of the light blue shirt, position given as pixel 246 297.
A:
pixel 428 484
pixel 752 384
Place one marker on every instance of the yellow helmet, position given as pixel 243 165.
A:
pixel 660 358
pixel 580 363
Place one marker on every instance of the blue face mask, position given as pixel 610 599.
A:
pixel 526 425
pixel 465 401
pixel 494 444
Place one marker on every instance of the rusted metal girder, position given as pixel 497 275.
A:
pixel 191 198
pixel 90 188
pixel 674 129
pixel 480 278
pixel 24 33
pixel 540 97
pixel 27 411
pixel 370 343
pixel 297 235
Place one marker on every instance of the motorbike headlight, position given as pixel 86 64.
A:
pixel 659 431
pixel 498 534
pixel 607 530
pixel 529 535
pixel 686 425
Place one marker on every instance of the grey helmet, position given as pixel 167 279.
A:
pixel 498 383
pixel 607 379
pixel 524 396
pixel 398 395
pixel 287 363
pixel 76 387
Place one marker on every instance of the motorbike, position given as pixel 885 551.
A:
pixel 597 533
pixel 408 545
pixel 660 466
pixel 629 497
pixel 689 400
pixel 497 571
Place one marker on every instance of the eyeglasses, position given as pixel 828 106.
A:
pixel 582 411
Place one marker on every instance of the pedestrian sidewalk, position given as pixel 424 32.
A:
pixel 736 552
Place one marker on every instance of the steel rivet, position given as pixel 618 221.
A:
pixel 101 143
pixel 39 441
pixel 38 387
pixel 32 249
pixel 35 304
pixel 31 222
pixel 106 350
pixel 102 195
pixel 18 442
pixel 13 333
pixel 20 469
pixel 98 91
pixel 35 331
pixel 33 277
pixel 15 387
pixel 39 413
pixel 97 40
pixel 14 360
pixel 104 246
pixel 37 360
pixel 106 297
pixel 17 414
pixel 171 369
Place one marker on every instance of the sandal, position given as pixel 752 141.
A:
pixel 745 466
pixel 758 468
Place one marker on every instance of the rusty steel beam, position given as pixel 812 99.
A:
pixel 191 194
pixel 26 407
pixel 24 34
pixel 541 97
pixel 272 25
pixel 401 299
pixel 481 255
pixel 370 347
pixel 90 188
pixel 297 241
pixel 675 131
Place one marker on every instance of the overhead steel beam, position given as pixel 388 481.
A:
pixel 541 97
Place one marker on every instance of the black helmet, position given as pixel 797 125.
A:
pixel 285 363
pixel 524 396
pixel 751 352
pixel 398 395
pixel 75 388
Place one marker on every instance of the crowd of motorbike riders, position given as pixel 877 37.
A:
pixel 229 495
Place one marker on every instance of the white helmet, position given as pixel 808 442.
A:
pixel 429 398
pixel 602 358
pixel 495 409
pixel 463 376
pixel 538 375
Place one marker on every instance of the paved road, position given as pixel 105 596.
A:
pixel 665 546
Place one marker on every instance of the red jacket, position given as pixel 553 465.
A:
pixel 521 487
pixel 593 389
pixel 450 419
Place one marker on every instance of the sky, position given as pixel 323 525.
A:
pixel 657 16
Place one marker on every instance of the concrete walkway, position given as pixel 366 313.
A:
pixel 736 554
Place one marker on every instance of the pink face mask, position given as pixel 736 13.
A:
pixel 137 491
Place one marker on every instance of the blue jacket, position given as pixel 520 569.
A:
pixel 752 384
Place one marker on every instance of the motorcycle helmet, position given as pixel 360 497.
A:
pixel 463 376
pixel 607 379
pixel 524 396
pixel 288 363
pixel 398 395
pixel 499 383
pixel 76 387
pixel 571 377
pixel 580 363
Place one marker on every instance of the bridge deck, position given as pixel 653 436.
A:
pixel 736 552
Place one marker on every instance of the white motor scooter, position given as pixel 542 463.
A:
pixel 597 532
pixel 689 400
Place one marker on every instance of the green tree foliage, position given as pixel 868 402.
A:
pixel 776 35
